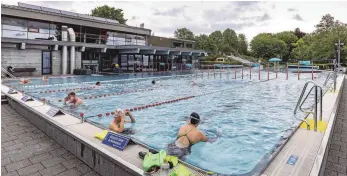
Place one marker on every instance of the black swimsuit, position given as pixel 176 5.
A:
pixel 177 151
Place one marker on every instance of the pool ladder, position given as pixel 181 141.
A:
pixel 317 89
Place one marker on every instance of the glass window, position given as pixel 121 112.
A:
pixel 14 34
pixel 189 45
pixel 141 40
pixel 119 38
pixel 14 23
pixel 14 27
pixel 130 39
pixel 38 27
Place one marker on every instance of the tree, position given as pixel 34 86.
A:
pixel 201 42
pixel 184 33
pixel 298 33
pixel 216 39
pixel 302 50
pixel 327 23
pixel 289 38
pixel 230 40
pixel 265 45
pixel 243 44
pixel 106 11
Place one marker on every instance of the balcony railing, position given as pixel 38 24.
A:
pixel 80 37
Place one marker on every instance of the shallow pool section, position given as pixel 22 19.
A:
pixel 252 115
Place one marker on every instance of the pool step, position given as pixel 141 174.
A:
pixel 321 125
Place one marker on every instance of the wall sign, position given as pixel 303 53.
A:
pixel 53 112
pixel 292 160
pixel 11 91
pixel 116 141
pixel 26 98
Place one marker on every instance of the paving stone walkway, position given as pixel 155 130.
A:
pixel 25 150
pixel 337 156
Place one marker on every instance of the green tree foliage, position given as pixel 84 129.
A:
pixel 318 45
pixel 184 33
pixel 201 42
pixel 106 11
pixel 266 45
pixel 289 38
pixel 302 50
pixel 242 44
pixel 230 39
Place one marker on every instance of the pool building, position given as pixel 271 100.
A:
pixel 44 41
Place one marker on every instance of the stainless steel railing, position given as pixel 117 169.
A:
pixel 317 89
pixel 5 72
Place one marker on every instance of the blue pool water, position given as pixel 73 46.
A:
pixel 251 115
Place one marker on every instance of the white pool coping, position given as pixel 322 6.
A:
pixel 309 146
pixel 129 157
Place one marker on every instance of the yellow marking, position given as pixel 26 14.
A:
pixel 321 125
pixel 332 91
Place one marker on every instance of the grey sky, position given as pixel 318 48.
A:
pixel 204 17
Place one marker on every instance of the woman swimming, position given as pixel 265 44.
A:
pixel 188 135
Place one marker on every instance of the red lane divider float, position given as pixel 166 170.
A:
pixel 138 108
pixel 65 90
pixel 115 93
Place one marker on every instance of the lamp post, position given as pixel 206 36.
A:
pixel 339 46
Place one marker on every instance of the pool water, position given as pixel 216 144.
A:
pixel 251 115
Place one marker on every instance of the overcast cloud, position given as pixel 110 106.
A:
pixel 203 17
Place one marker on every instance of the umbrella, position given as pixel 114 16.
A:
pixel 275 60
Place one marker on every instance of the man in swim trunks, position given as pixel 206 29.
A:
pixel 24 81
pixel 74 100
pixel 188 135
pixel 117 124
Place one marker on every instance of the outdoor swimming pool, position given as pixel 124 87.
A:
pixel 251 115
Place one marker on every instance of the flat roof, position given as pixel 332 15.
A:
pixel 185 40
pixel 49 14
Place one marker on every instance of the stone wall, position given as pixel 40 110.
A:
pixel 31 57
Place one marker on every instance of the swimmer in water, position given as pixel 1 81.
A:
pixel 24 81
pixel 153 81
pixel 67 98
pixel 74 100
pixel 188 135
pixel 117 124
pixel 97 83
pixel 45 78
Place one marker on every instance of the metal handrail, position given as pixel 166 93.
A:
pixel 302 100
pixel 8 73
pixel 327 79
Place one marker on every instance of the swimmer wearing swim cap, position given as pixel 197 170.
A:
pixel 153 81
pixel 187 136
pixel 117 124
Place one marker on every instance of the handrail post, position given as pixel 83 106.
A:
pixel 321 104
pixel 315 109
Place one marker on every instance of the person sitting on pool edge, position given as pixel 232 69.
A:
pixel 117 124
pixel 97 83
pixel 188 135
pixel 74 100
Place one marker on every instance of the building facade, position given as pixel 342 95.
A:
pixel 55 42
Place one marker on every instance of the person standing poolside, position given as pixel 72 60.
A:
pixel 117 124
pixel 188 135
pixel 74 100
